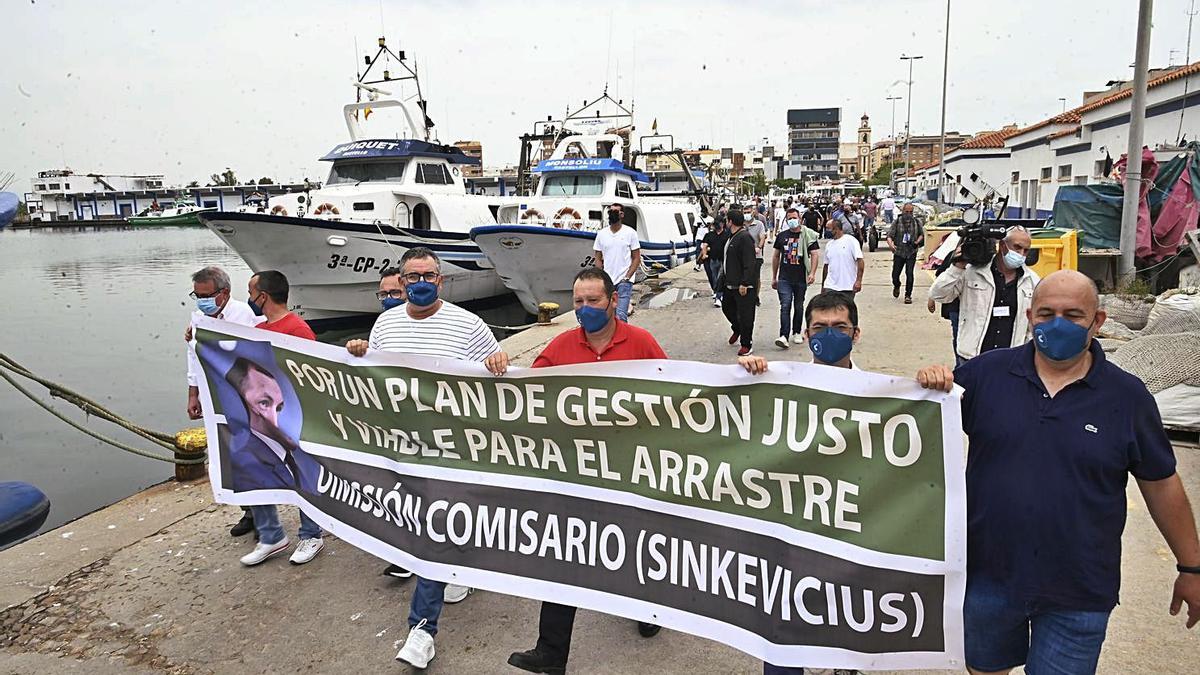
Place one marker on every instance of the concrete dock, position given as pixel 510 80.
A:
pixel 153 584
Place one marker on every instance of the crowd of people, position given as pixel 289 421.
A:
pixel 1043 564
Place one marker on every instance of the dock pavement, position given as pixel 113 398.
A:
pixel 152 584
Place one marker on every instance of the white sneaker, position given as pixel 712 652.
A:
pixel 263 551
pixel 455 593
pixel 306 550
pixel 798 339
pixel 716 302
pixel 781 342
pixel 418 649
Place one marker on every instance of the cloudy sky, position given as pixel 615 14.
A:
pixel 189 88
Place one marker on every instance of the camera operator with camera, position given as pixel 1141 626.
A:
pixel 994 287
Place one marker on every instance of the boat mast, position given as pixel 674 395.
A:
pixel 409 73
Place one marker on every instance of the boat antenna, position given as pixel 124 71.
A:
pixel 409 73
pixel 608 57
pixel 1187 59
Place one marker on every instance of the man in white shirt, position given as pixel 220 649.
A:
pixel 429 326
pixel 211 291
pixel 843 269
pixel 619 253
pixel 889 209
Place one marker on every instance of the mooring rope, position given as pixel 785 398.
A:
pixel 90 407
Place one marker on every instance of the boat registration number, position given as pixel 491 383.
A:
pixel 359 264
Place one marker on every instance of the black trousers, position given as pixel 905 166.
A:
pixel 907 265
pixel 740 310
pixel 554 630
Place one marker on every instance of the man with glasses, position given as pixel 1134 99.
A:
pixel 619 253
pixel 211 292
pixel 426 325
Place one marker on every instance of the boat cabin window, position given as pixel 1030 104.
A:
pixel 364 206
pixel 679 222
pixel 433 174
pixel 366 172
pixel 577 185
pixel 624 189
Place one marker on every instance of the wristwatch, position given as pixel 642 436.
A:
pixel 1187 570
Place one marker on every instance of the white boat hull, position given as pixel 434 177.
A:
pixel 539 264
pixel 333 266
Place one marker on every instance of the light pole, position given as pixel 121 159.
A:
pixel 945 74
pixel 908 120
pixel 892 154
pixel 1133 165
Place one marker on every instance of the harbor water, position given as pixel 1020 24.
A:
pixel 102 311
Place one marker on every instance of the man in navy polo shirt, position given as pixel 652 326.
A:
pixel 1055 430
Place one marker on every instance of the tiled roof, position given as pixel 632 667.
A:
pixel 1068 117
pixel 1065 132
pixel 1128 91
pixel 994 139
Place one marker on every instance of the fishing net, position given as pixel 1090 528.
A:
pixel 1175 312
pixel 1116 330
pixel 1162 360
pixel 1132 311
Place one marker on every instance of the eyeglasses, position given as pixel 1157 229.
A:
pixel 395 295
pixel 413 277
pixel 214 294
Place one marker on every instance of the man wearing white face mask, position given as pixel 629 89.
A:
pixel 793 268
pixel 993 298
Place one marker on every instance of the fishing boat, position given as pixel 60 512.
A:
pixel 541 242
pixel 179 215
pixel 386 193
pixel 23 509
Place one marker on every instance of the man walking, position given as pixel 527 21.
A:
pixel 619 253
pixel 844 265
pixel 600 337
pixel 712 256
pixel 889 209
pixel 1055 431
pixel 757 229
pixel 268 296
pixel 741 282
pixel 212 293
pixel 905 237
pixel 993 297
pixel 429 326
pixel 793 268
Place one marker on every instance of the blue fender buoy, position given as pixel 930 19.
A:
pixel 23 509
pixel 8 208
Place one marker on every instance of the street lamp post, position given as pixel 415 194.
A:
pixel 892 154
pixel 945 75
pixel 908 119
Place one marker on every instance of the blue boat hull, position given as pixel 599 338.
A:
pixel 23 509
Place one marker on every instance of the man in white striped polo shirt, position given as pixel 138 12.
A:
pixel 428 326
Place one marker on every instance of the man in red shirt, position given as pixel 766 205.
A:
pixel 600 337
pixel 268 292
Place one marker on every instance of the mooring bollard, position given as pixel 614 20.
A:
pixel 546 312
pixel 190 444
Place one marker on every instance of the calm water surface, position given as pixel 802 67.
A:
pixel 103 312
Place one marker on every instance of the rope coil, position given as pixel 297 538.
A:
pixel 184 443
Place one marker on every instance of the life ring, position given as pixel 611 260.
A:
pixel 279 210
pixel 568 217
pixel 326 208
pixel 531 215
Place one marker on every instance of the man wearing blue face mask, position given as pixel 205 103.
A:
pixel 793 268
pixel 993 298
pixel 1055 431
pixel 600 337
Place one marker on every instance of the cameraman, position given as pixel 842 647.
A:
pixel 993 297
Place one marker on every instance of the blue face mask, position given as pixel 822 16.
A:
pixel 793 223
pixel 593 319
pixel 1059 339
pixel 389 303
pixel 830 345
pixel 1013 259
pixel 422 293
pixel 208 306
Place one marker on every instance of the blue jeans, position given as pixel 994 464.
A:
pixel 1003 632
pixel 266 521
pixel 713 269
pixel 427 601
pixel 791 306
pixel 624 295
pixel 954 336
pixel 772 669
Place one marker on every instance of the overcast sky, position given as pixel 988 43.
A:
pixel 189 88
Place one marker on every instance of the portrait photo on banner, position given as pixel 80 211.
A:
pixel 258 440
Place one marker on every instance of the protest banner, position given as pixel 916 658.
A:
pixel 808 516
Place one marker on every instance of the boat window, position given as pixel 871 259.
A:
pixel 681 224
pixel 577 185
pixel 433 174
pixel 55 186
pixel 364 206
pixel 365 172
pixel 624 190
